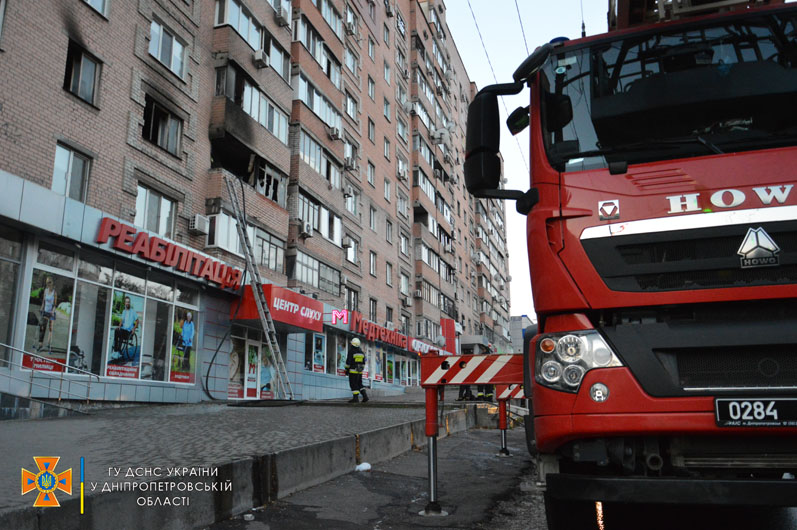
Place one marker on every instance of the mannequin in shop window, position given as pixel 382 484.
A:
pixel 49 303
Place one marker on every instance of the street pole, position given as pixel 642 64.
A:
pixel 502 425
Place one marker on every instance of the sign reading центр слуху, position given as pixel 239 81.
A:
pixel 152 248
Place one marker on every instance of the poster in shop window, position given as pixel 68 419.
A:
pixel 403 372
pixel 341 357
pixel 235 386
pixel 319 355
pixel 49 313
pixel 124 355
pixel 389 367
pixel 252 362
pixel 378 366
pixel 183 362
pixel 267 383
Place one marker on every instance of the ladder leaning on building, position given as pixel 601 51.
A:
pixel 283 383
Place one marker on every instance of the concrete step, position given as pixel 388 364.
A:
pixel 21 408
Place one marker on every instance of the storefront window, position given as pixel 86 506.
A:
pixel 252 371
pixel 10 253
pixel 54 256
pixel 132 331
pixel 129 278
pixel 49 314
pixel 90 327
pixel 389 368
pixel 95 268
pixel 315 353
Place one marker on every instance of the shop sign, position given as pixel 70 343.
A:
pixel 285 306
pixel 374 332
pixel 152 248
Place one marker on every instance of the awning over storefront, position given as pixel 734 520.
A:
pixel 286 306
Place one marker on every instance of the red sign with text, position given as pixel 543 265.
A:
pixel 285 306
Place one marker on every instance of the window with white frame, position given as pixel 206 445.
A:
pixel 352 201
pixel 352 252
pixel 388 231
pixel 386 109
pixel 371 88
pixel 403 204
pixel 401 128
pixel 372 307
pixel 371 130
pixel 280 61
pixel 387 148
pixel 269 250
pixel 371 173
pixel 371 46
pixel 387 72
pixel 372 218
pixel 82 73
pixel 389 273
pixel 325 110
pixel 351 61
pixel 154 211
pixel 351 106
pixel 372 262
pixel 404 284
pixel 98 5
pixel 232 12
pixel 223 233
pixel 388 185
pixel 233 83
pixel 404 244
pixel 386 34
pixel 70 173
pixel 167 48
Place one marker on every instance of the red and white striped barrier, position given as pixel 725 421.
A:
pixel 510 392
pixel 471 370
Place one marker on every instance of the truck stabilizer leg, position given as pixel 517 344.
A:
pixel 502 425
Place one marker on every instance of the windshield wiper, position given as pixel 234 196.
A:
pixel 644 145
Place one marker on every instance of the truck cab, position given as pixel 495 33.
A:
pixel 662 247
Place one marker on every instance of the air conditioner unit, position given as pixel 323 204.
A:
pixel 348 192
pixel 349 163
pixel 401 174
pixel 390 326
pixel 283 17
pixel 334 133
pixel 418 293
pixel 389 10
pixel 351 29
pixel 347 243
pixel 455 180
pixel 407 106
pixel 406 302
pixel 447 158
pixel 439 90
pixel 450 248
pixel 436 138
pixel 199 225
pixel 261 59
pixel 438 174
pixel 306 230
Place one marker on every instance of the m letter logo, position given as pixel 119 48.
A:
pixel 343 316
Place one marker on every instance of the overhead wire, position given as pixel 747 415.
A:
pixel 489 62
pixel 523 31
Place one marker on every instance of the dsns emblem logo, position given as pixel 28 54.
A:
pixel 46 481
pixel 758 249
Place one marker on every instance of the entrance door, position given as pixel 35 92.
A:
pixel 251 370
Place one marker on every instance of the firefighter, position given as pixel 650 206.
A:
pixel 485 393
pixel 355 363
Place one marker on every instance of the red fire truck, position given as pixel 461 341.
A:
pixel 662 246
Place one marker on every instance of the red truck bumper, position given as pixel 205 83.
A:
pixel 629 411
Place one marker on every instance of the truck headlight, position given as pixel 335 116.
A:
pixel 562 359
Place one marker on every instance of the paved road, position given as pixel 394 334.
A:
pixel 473 482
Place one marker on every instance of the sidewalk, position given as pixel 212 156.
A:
pixel 261 453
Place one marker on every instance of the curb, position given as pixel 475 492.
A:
pixel 255 481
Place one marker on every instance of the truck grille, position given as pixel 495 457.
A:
pixel 703 258
pixel 752 367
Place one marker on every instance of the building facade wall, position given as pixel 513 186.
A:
pixel 159 132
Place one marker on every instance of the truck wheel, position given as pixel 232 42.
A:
pixel 531 444
pixel 565 514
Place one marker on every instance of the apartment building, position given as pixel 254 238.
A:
pixel 342 125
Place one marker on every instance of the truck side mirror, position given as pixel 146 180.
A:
pixel 482 142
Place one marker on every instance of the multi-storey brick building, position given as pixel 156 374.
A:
pixel 342 123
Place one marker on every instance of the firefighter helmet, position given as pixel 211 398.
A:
pixel 355 342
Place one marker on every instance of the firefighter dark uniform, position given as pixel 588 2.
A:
pixel 355 364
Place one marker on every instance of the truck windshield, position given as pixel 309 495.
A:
pixel 723 87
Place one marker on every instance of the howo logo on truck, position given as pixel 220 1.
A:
pixel 728 198
pixel 758 249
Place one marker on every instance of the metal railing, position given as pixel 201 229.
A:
pixel 66 369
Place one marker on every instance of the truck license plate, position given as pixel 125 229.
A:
pixel 756 412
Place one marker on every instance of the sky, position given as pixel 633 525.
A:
pixel 501 31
